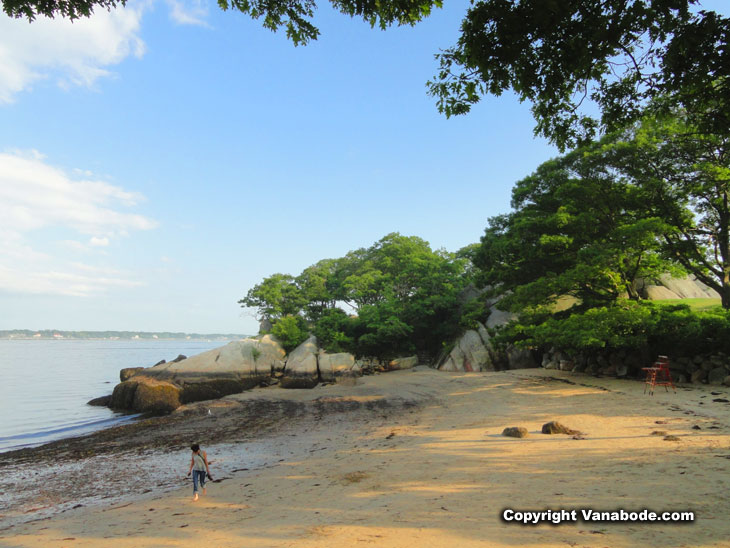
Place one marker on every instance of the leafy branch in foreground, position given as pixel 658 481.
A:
pixel 295 16
pixel 568 57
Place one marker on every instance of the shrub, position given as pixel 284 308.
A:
pixel 291 331
pixel 675 330
pixel 473 311
pixel 334 331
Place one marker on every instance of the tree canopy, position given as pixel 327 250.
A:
pixel 397 296
pixel 578 228
pixel 684 174
pixel 295 16
pixel 562 55
pixel 648 199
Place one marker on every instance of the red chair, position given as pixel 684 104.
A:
pixel 658 375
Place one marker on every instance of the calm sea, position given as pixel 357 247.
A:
pixel 44 385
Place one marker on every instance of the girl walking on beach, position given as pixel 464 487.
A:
pixel 199 468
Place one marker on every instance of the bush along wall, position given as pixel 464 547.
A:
pixel 620 340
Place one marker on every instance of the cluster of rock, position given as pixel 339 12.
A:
pixel 704 368
pixel 474 351
pixel 710 369
pixel 236 367
pixel 552 427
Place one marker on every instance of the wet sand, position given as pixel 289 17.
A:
pixel 401 459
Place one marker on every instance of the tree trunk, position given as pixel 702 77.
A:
pixel 632 292
pixel 725 293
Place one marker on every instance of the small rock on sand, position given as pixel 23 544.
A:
pixel 554 427
pixel 515 432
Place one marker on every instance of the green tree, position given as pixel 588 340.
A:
pixel 293 15
pixel 578 228
pixel 277 296
pixel 407 283
pixel 562 55
pixel 405 298
pixel 321 286
pixel 291 331
pixel 684 177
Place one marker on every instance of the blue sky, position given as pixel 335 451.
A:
pixel 159 160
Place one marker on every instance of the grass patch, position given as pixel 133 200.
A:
pixel 698 305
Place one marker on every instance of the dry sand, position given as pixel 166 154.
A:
pixel 428 467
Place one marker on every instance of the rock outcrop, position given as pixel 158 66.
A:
pixel 498 317
pixel 402 363
pixel 146 395
pixel 472 352
pixel 301 367
pixel 129 372
pixel 235 367
pixel 676 288
pixel 102 401
pixel 333 367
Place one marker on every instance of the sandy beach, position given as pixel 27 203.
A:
pixel 411 458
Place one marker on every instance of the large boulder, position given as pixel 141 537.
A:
pixel 717 375
pixel 472 352
pixel 158 397
pixel 129 372
pixel 247 360
pixel 499 317
pixel 476 354
pixel 301 366
pixel 676 288
pixel 659 293
pixel 400 363
pixel 102 401
pixel 688 287
pixel 146 395
pixel 230 369
pixel 333 367
pixel 699 376
pixel 454 361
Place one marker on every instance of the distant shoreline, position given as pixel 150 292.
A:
pixel 54 334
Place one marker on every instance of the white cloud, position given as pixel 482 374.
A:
pixel 98 242
pixel 78 53
pixel 193 12
pixel 74 53
pixel 53 282
pixel 35 195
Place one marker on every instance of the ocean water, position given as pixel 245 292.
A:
pixel 45 384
